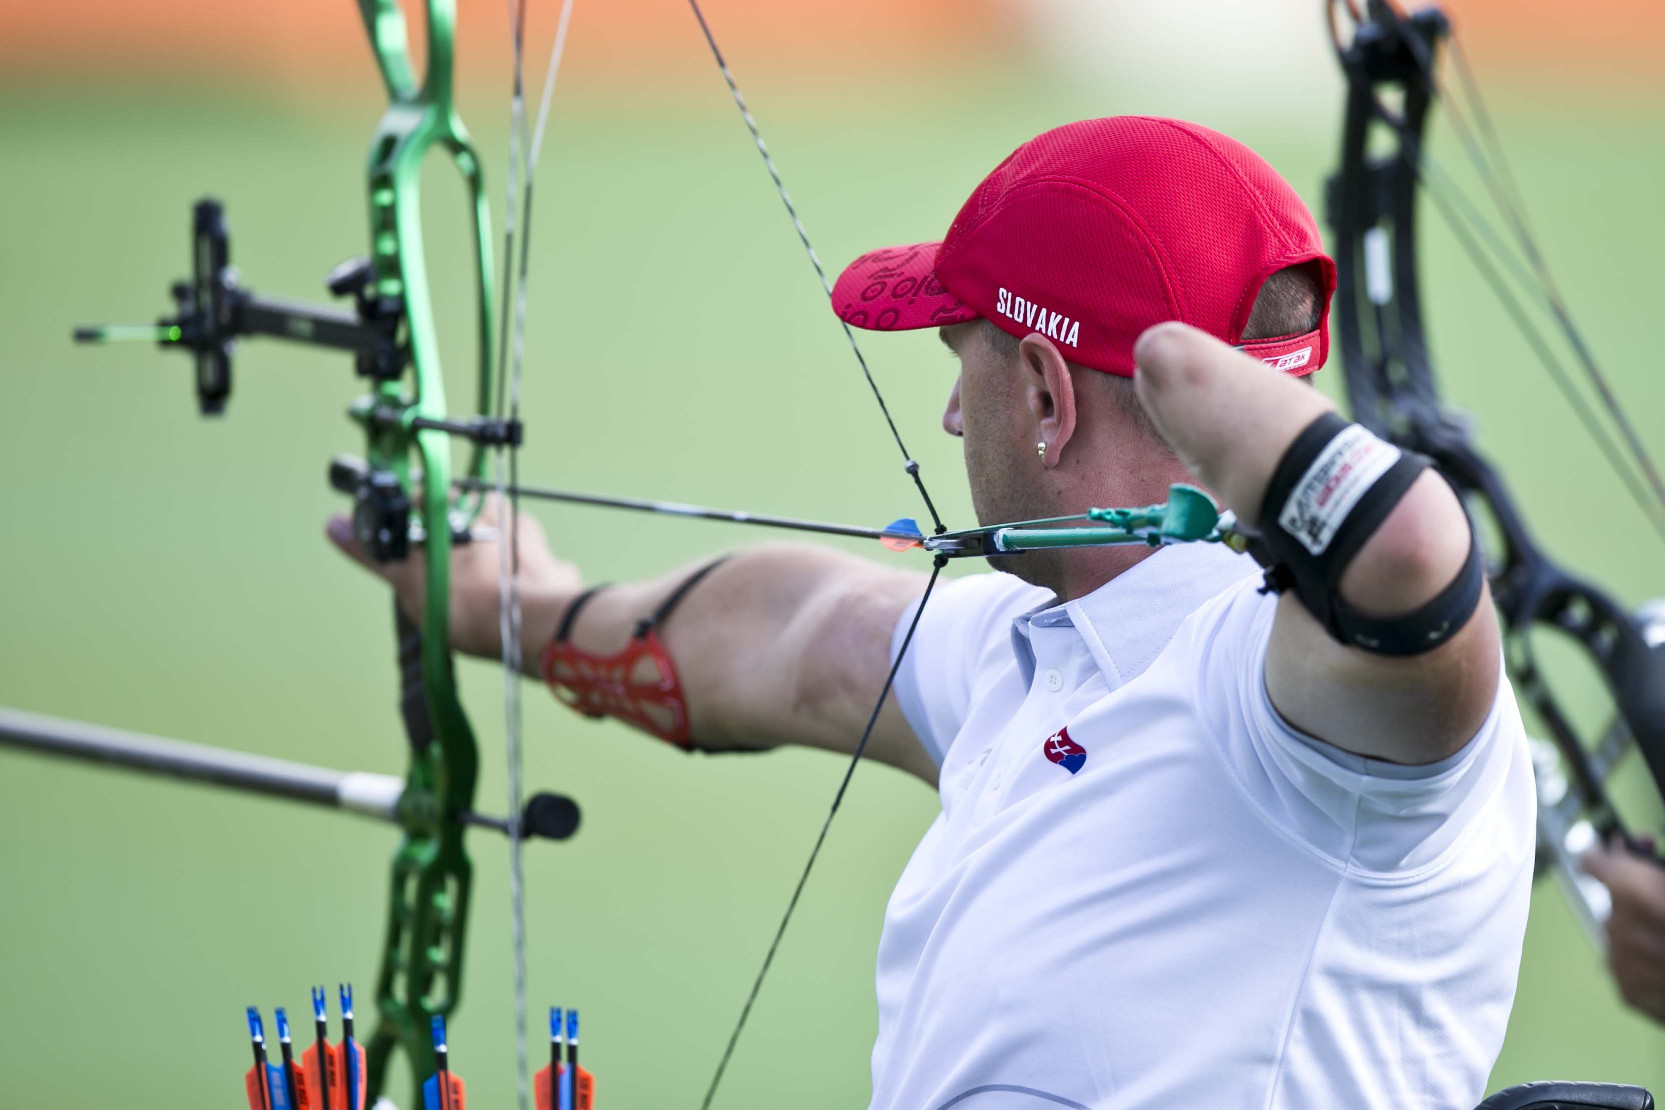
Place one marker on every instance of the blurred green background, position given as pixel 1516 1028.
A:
pixel 168 574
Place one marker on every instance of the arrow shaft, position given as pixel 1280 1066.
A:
pixel 677 508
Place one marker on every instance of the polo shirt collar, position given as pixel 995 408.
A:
pixel 1126 622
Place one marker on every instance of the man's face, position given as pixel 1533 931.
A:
pixel 987 411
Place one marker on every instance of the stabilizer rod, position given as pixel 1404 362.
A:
pixel 549 816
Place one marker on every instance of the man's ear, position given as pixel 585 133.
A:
pixel 1048 394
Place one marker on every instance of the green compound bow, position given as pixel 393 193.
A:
pixel 407 494
pixel 403 496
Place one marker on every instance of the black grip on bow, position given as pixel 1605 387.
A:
pixel 413 696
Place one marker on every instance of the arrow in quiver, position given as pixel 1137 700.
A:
pixel 554 1087
pixel 268 1086
pixel 548 1082
pixel 325 1068
pixel 331 1071
pixel 294 1083
pixel 443 1090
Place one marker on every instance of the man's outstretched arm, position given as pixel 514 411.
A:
pixel 1231 419
pixel 780 644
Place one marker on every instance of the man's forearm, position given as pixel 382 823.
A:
pixel 778 644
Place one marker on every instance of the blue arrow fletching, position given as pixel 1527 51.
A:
pixel 902 535
pixel 275 1085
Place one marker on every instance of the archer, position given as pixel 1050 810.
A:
pixel 1213 830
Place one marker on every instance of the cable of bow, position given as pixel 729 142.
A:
pixel 520 176
pixel 908 462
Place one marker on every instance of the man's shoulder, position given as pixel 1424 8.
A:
pixel 1228 632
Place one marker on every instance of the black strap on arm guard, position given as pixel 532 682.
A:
pixel 1329 493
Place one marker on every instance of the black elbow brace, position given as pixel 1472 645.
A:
pixel 1328 494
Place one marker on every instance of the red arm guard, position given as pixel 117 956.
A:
pixel 638 685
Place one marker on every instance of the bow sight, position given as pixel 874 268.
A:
pixel 215 310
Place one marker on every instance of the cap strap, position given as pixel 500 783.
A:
pixel 1296 355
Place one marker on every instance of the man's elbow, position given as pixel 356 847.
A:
pixel 1416 708
pixel 1416 553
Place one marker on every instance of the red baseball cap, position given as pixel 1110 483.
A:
pixel 1092 232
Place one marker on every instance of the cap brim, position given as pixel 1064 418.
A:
pixel 893 289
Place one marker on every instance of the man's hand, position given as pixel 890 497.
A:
pixel 545 582
pixel 1636 930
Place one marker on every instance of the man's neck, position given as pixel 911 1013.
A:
pixel 1130 475
pixel 1073 573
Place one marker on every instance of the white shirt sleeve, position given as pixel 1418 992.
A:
pixel 1371 815
pixel 964 621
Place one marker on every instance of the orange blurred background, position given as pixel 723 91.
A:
pixel 300 43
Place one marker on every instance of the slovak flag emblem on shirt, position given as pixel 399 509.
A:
pixel 1065 752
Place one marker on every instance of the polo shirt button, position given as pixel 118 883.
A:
pixel 1054 681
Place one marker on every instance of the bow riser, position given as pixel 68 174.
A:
pixel 422 956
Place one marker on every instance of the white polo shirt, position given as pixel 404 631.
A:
pixel 1145 889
